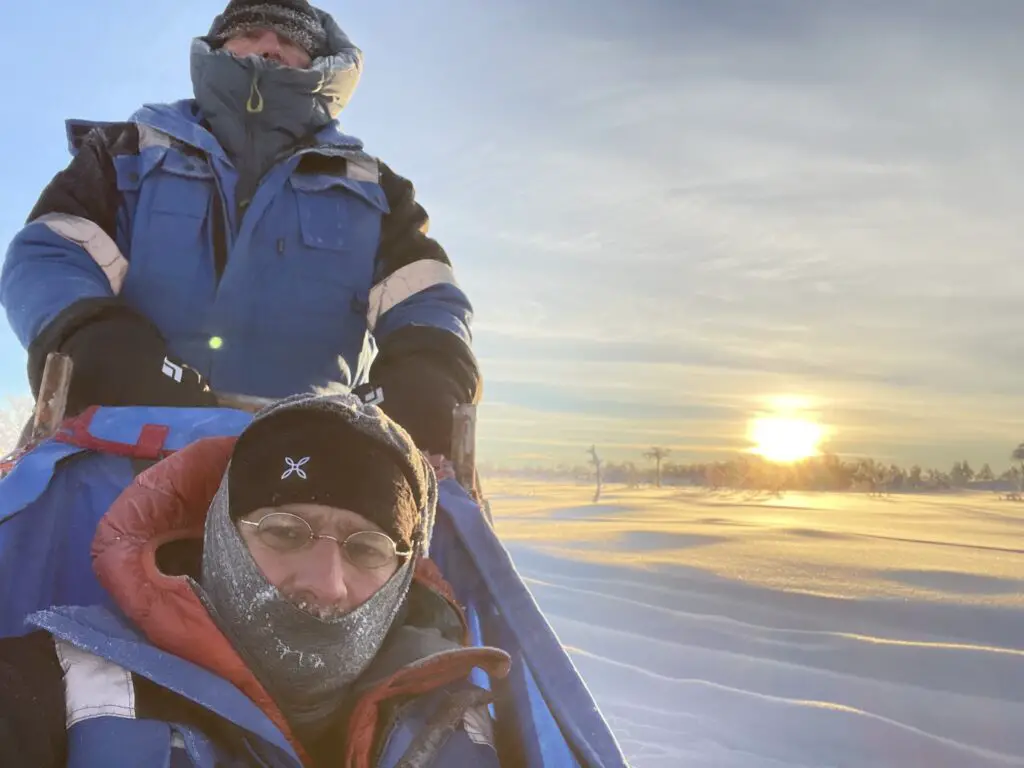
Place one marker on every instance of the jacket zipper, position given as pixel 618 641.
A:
pixel 253 106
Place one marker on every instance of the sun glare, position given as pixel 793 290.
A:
pixel 785 439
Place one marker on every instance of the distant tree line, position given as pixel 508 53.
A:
pixel 826 472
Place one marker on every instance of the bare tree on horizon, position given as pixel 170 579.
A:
pixel 1018 455
pixel 596 461
pixel 657 455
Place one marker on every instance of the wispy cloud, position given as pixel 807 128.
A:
pixel 821 198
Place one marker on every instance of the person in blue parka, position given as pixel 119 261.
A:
pixel 239 241
pixel 275 608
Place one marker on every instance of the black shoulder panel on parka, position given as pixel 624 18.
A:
pixel 403 235
pixel 87 187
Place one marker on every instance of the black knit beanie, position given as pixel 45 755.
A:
pixel 314 457
pixel 294 19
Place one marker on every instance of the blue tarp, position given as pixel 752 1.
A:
pixel 52 500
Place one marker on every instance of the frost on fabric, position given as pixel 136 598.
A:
pixel 305 659
pixel 260 599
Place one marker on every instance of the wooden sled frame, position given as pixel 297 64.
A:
pixel 51 406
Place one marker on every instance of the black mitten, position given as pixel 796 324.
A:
pixel 122 360
pixel 421 399
pixel 420 375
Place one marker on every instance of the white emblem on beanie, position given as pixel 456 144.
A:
pixel 295 467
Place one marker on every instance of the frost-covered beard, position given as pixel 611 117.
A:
pixel 306 662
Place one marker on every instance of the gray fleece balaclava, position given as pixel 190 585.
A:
pixel 307 664
pixel 259 110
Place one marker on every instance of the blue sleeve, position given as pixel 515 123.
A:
pixel 69 249
pixel 420 319
pixel 445 307
pixel 43 274
pixel 414 284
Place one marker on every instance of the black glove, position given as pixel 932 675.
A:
pixel 421 400
pixel 419 376
pixel 122 360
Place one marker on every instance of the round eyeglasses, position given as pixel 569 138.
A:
pixel 286 532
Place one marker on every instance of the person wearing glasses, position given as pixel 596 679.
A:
pixel 274 606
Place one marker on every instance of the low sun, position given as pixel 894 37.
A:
pixel 785 439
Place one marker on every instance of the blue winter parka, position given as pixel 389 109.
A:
pixel 302 299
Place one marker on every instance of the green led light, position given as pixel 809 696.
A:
pixel 216 342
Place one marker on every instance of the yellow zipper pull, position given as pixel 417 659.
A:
pixel 255 103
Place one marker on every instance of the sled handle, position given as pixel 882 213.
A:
pixel 463 448
pixel 51 405
pixel 52 401
pixel 249 403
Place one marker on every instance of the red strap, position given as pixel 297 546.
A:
pixel 149 445
pixel 151 441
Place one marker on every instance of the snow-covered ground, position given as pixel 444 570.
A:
pixel 810 630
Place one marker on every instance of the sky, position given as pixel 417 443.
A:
pixel 671 216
